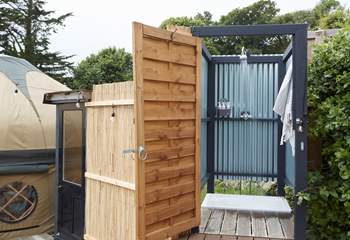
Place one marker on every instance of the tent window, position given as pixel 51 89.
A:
pixel 17 202
pixel 72 146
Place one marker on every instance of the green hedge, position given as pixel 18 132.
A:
pixel 328 194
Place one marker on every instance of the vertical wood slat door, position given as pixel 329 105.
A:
pixel 110 211
pixel 167 113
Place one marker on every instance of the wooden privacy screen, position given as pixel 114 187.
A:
pixel 167 70
pixel 156 195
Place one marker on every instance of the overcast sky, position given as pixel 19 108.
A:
pixel 104 23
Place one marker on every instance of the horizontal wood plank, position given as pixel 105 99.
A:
pixel 169 133
pixel 153 165
pixel 168 110
pixel 160 51
pixel 169 172
pixel 159 145
pixel 170 153
pixel 164 233
pixel 167 35
pixel 159 72
pixel 112 181
pixel 170 192
pixel 168 92
pixel 111 103
pixel 171 211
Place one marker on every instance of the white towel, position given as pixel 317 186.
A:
pixel 283 107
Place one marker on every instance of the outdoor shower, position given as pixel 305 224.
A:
pixel 245 113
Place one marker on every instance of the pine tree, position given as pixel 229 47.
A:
pixel 25 30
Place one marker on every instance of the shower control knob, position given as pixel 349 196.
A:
pixel 246 115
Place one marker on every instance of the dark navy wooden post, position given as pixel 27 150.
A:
pixel 211 127
pixel 300 112
pixel 281 155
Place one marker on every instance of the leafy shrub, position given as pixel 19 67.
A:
pixel 329 97
pixel 107 66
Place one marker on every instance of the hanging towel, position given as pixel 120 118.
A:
pixel 283 107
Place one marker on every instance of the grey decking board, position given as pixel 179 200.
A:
pixel 197 236
pixel 287 226
pixel 212 237
pixel 243 224
pixel 37 237
pixel 274 227
pixel 205 215
pixel 228 237
pixel 258 225
pixel 229 223
pixel 215 222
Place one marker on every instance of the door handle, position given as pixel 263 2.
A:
pixel 140 150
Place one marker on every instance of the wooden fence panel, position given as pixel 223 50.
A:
pixel 167 87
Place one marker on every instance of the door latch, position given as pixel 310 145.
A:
pixel 140 150
pixel 299 124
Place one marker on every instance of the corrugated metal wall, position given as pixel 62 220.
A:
pixel 247 149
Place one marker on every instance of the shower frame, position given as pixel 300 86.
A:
pixel 297 49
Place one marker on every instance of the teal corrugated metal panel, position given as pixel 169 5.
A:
pixel 247 147
pixel 204 90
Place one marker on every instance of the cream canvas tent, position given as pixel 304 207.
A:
pixel 27 143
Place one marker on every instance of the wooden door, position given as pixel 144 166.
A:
pixel 110 165
pixel 167 69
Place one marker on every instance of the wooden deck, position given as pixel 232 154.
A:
pixel 36 237
pixel 231 225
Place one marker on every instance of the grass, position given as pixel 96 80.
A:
pixel 242 187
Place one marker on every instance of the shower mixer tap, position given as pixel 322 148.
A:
pixel 245 115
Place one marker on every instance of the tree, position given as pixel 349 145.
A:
pixel 260 12
pixel 25 29
pixel 326 14
pixel 200 19
pixel 301 16
pixel 109 65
